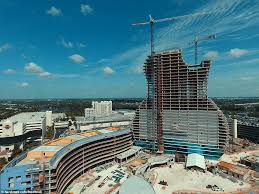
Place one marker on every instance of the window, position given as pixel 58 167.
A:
pixel 28 176
pixel 18 178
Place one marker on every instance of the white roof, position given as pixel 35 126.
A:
pixel 196 160
pixel 128 153
pixel 159 159
pixel 27 117
pixel 136 185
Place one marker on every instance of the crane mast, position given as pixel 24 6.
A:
pixel 196 41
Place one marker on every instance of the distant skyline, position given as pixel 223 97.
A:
pixel 89 49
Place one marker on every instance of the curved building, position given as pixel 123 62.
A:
pixel 177 115
pixel 55 165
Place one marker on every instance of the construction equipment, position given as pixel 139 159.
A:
pixel 197 40
pixel 152 21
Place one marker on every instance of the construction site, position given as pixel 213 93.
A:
pixel 165 175
pixel 179 142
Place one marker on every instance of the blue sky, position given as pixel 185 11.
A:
pixel 85 49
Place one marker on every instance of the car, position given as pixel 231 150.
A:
pixel 209 186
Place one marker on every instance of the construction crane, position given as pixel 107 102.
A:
pixel 152 21
pixel 197 40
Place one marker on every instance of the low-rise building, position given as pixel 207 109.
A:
pixel 236 171
pixel 196 161
pixel 53 166
pixel 117 118
pixel 251 161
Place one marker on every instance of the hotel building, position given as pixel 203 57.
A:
pixel 177 115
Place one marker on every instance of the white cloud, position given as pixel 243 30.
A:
pixel 44 74
pixel 36 69
pixel 86 9
pixel 70 44
pixel 236 52
pixel 5 47
pixel 211 55
pixel 108 70
pixel 80 45
pixel 9 71
pixel 104 60
pixel 24 84
pixel 66 44
pixel 54 11
pixel 33 68
pixel 77 58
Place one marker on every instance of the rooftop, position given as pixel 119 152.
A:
pixel 115 116
pixel 159 159
pixel 27 117
pixel 90 133
pixel 252 158
pixel 233 168
pixel 53 148
pixel 128 153
pixel 196 160
pixel 136 185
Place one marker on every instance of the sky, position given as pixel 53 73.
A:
pixel 89 48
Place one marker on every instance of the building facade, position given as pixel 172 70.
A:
pixel 21 128
pixel 99 109
pixel 244 130
pixel 52 167
pixel 177 115
pixel 248 132
pixel 49 118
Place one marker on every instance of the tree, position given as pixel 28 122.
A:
pixel 15 152
pixel 3 162
pixel 49 134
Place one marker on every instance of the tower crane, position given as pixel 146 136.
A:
pixel 152 21
pixel 197 40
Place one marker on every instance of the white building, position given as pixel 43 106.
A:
pixel 48 118
pixel 22 123
pixel 89 112
pixel 117 118
pixel 17 127
pixel 99 109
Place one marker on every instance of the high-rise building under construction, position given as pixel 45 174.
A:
pixel 177 115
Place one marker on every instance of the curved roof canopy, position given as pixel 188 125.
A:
pixel 136 185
